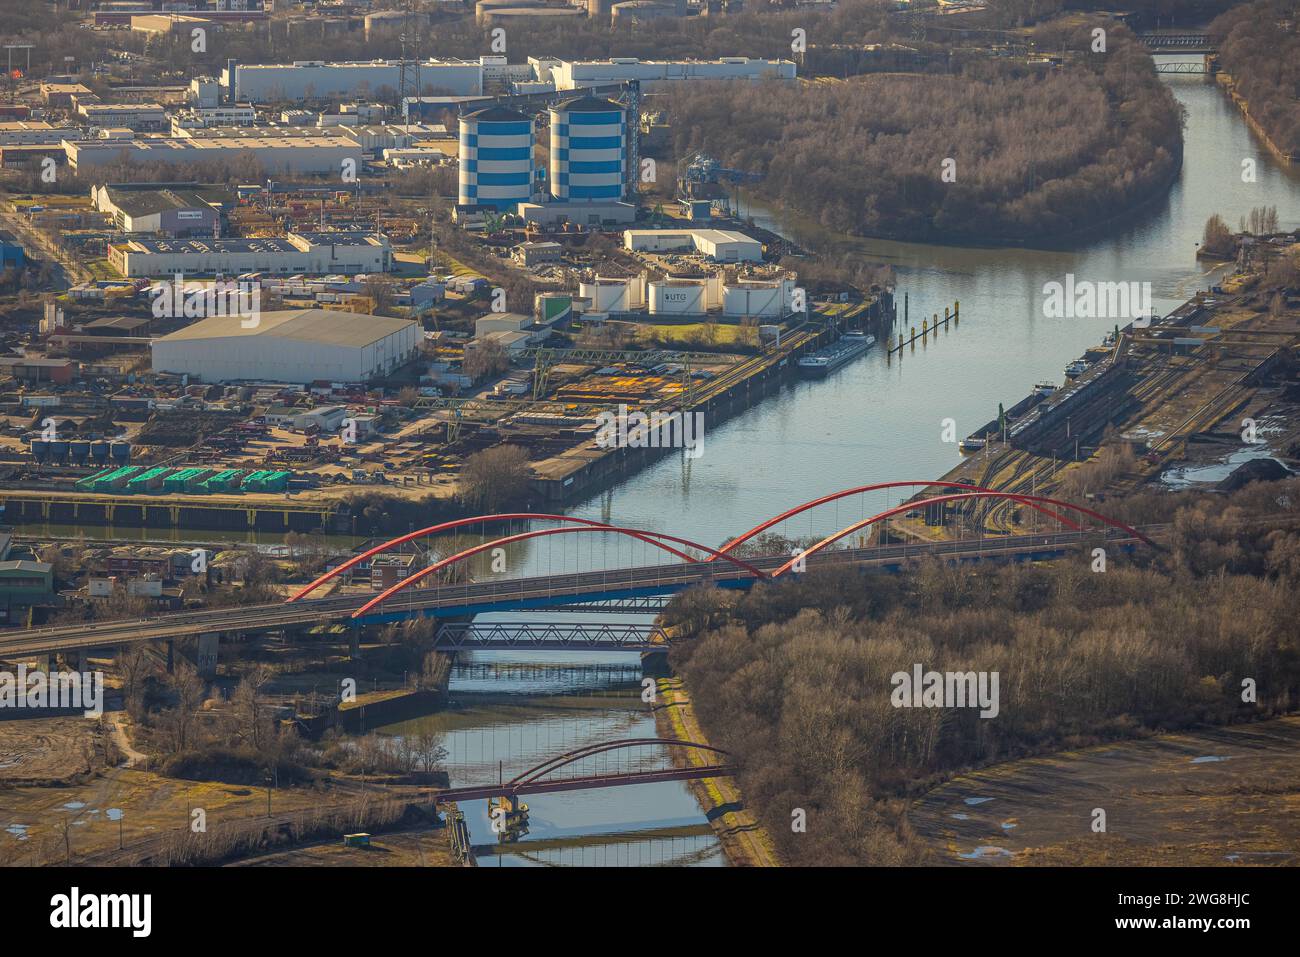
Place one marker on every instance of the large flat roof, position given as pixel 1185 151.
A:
pixel 328 326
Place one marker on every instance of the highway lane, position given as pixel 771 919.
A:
pixel 475 597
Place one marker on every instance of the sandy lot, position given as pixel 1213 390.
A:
pixel 1218 797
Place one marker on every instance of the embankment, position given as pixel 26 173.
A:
pixel 743 840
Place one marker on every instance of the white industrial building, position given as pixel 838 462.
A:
pixel 310 253
pixel 34 133
pixel 303 155
pixel 724 245
pixel 321 80
pixel 575 75
pixel 134 116
pixel 300 345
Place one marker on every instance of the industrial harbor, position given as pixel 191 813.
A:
pixel 526 434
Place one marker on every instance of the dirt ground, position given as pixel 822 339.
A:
pixel 422 848
pixel 43 749
pixel 1217 797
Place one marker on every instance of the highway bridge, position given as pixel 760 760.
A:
pixel 422 594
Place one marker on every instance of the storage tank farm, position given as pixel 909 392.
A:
pixel 496 158
pixel 588 150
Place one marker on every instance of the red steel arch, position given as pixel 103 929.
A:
pixel 461 523
pixel 834 496
pixel 542 533
pixel 535 774
pixel 965 496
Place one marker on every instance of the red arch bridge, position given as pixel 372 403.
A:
pixel 432 592
pixel 607 764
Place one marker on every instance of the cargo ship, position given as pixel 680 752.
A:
pixel 825 361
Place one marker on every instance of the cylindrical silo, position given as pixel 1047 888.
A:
pixel 588 150
pixel 496 158
pixel 676 297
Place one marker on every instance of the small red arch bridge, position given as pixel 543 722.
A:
pixel 692 563
pixel 590 767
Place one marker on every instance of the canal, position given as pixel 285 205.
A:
pixel 871 420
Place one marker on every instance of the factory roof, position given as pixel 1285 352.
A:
pixel 134 201
pixel 322 326
pixel 171 246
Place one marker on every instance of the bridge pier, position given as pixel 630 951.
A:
pixel 654 664
pixel 206 658
pixel 171 656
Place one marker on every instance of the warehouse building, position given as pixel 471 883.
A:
pixel 324 154
pixel 169 209
pixel 722 245
pixel 34 133
pixel 171 24
pixel 140 117
pixel 309 253
pixel 299 345
pixel 319 80
pixel 588 150
pixel 496 158
pixel 575 75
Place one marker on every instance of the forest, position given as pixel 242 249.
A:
pixel 794 679
pixel 1259 47
pixel 1030 155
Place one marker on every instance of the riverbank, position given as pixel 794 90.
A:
pixel 743 839
pixel 1230 87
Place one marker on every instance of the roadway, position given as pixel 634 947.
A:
pixel 469 598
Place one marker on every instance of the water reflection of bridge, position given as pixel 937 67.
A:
pixel 676 845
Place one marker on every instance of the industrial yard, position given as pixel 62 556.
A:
pixel 643 433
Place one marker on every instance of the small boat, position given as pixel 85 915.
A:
pixel 1044 388
pixel 971 444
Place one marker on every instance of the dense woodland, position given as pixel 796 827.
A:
pixel 1259 47
pixel 1039 153
pixel 794 679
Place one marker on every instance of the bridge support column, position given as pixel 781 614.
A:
pixel 171 656
pixel 354 643
pixel 654 664
pixel 206 659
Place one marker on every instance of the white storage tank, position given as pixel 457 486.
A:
pixel 761 299
pixel 606 295
pixel 679 297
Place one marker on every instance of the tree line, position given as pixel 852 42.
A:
pixel 1001 153
pixel 1259 47
pixel 794 679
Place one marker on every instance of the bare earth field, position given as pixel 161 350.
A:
pixel 1217 797
pixel 422 848
pixel 44 749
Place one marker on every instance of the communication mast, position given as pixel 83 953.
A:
pixel 409 78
